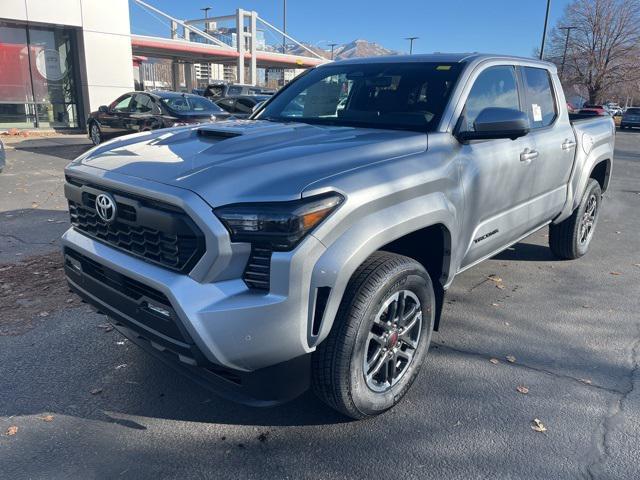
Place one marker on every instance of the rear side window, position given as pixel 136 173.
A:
pixel 234 91
pixel 495 87
pixel 541 105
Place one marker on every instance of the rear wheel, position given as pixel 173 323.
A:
pixel 570 238
pixel 380 336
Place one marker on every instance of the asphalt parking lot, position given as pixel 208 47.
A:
pixel 78 401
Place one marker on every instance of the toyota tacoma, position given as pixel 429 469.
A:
pixel 312 244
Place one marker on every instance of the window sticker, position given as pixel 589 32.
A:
pixel 537 112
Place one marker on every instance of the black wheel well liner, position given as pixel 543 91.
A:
pixel 601 172
pixel 431 247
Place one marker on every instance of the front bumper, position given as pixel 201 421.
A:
pixel 220 323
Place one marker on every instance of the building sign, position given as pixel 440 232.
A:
pixel 49 65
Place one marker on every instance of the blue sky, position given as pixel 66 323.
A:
pixel 497 26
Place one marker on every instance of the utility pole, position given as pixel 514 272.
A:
pixel 544 31
pixel 284 25
pixel 332 45
pixel 566 45
pixel 411 39
pixel 206 16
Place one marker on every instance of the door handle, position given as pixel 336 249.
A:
pixel 528 154
pixel 568 144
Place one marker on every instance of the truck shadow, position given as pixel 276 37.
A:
pixel 527 252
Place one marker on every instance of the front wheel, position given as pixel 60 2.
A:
pixel 570 238
pixel 95 134
pixel 379 338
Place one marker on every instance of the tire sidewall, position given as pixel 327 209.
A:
pixel 91 129
pixel 366 400
pixel 593 188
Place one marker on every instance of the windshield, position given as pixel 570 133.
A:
pixel 407 96
pixel 191 104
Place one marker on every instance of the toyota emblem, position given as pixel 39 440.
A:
pixel 106 207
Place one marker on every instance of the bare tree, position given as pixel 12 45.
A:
pixel 603 49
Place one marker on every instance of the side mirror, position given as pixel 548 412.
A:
pixel 103 109
pixel 494 122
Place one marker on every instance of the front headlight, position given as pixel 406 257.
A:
pixel 282 225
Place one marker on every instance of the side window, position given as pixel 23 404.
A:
pixel 234 91
pixel 143 103
pixel 226 104
pixel 495 87
pixel 121 104
pixel 244 105
pixel 541 105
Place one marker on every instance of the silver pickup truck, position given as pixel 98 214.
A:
pixel 313 244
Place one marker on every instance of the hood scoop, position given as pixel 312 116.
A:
pixel 211 134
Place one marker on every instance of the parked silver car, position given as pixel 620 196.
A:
pixel 314 243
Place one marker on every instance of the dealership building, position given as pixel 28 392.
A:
pixel 61 59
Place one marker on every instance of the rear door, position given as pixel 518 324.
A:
pixel 496 174
pixel 554 141
pixel 144 113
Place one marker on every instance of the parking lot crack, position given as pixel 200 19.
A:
pixel 601 448
pixel 18 239
pixel 533 368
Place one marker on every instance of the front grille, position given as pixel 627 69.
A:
pixel 258 269
pixel 159 233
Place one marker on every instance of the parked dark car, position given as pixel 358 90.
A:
pixel 223 89
pixel 630 118
pixel 241 106
pixel 142 111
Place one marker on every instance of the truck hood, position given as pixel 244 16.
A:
pixel 250 160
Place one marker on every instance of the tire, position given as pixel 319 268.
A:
pixel 95 134
pixel 567 239
pixel 358 335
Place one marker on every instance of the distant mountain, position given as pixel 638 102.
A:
pixel 356 48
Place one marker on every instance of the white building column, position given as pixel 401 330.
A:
pixel 240 42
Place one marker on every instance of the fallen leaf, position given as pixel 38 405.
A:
pixel 43 314
pixel 96 391
pixel 615 273
pixel 34 205
pixel 12 430
pixel 494 278
pixel 618 232
pixel 510 359
pixel 107 327
pixel 47 418
pixel 500 286
pixel 538 426
pixel 636 264
pixel 69 300
pixel 495 304
pixel 123 365
pixel 522 389
pixel 585 380
pixel 495 361
pixel 506 323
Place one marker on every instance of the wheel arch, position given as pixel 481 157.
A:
pixel 337 265
pixel 601 172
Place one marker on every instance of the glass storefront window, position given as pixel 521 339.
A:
pixel 37 77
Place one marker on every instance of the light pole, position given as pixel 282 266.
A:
pixel 284 25
pixel 544 31
pixel 206 16
pixel 566 45
pixel 332 45
pixel 411 39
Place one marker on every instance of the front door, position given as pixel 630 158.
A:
pixel 497 175
pixel 113 122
